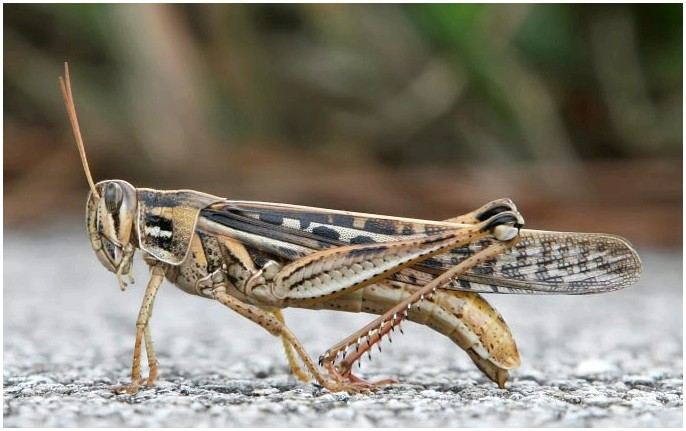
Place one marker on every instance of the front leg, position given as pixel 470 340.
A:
pixel 152 358
pixel 143 332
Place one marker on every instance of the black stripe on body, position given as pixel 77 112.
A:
pixel 272 218
pixel 384 227
pixel 116 221
pixel 343 220
pixel 362 239
pixel 326 232
pixel 159 231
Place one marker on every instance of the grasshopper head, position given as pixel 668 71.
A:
pixel 111 206
pixel 110 216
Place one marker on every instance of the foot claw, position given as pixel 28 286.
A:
pixel 130 390
pixel 358 380
pixel 134 387
pixel 348 382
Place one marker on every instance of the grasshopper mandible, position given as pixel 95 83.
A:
pixel 257 258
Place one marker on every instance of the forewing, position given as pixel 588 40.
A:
pixel 541 262
pixel 544 262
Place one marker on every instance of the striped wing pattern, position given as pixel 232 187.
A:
pixel 544 262
pixel 541 262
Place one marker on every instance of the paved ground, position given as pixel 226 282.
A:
pixel 612 360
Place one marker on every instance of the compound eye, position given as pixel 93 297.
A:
pixel 113 196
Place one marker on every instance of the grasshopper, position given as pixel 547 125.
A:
pixel 258 258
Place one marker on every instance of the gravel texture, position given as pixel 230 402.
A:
pixel 613 360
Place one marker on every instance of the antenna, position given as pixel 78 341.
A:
pixel 65 84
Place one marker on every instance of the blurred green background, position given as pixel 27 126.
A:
pixel 574 111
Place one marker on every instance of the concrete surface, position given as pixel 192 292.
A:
pixel 611 360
